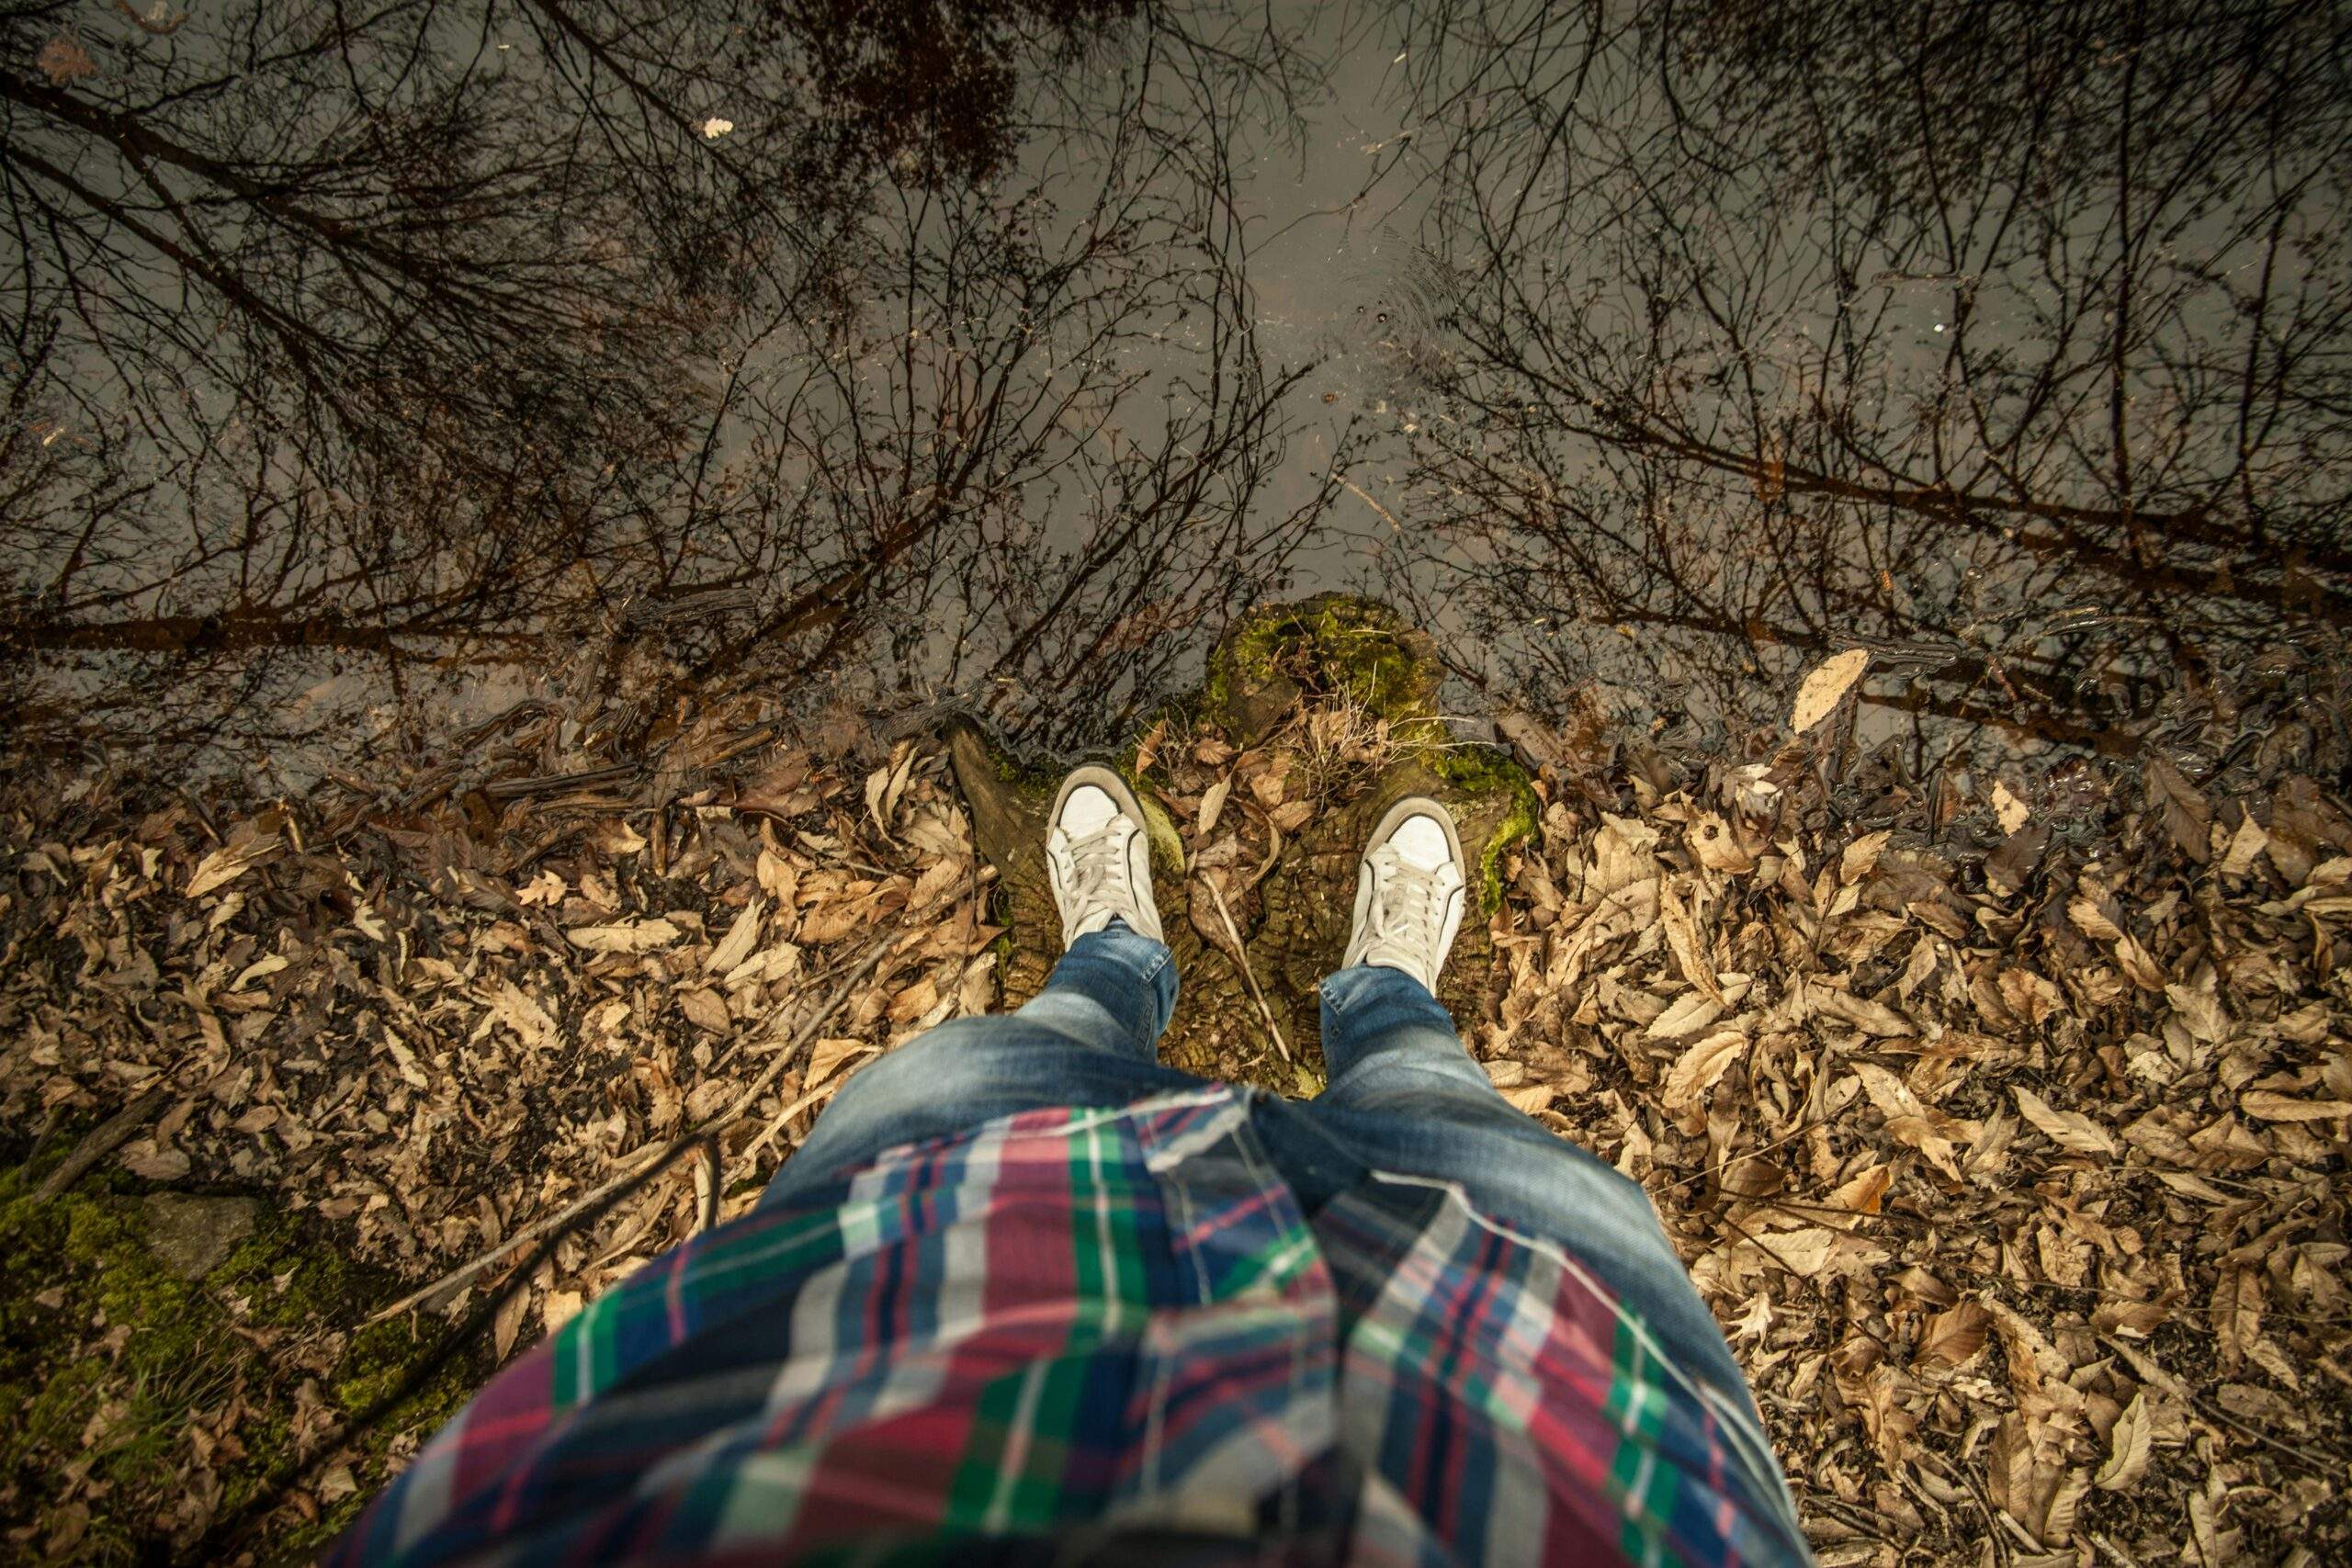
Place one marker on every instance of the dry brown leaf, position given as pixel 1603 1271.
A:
pixel 1932 1132
pixel 2244 846
pixel 1803 1253
pixel 521 1013
pixel 1861 857
pixel 2130 1445
pixel 2236 1314
pixel 509 1321
pixel 915 1001
pixel 2138 967
pixel 737 945
pixel 142 1157
pixel 1716 847
pixel 635 936
pixel 1147 748
pixel 1529 1098
pixel 828 1056
pixel 2067 1129
pixel 1696 1070
pixel 1864 1193
pixel 1953 1337
pixel 1822 690
pixel 888 784
pixel 2059 1521
pixel 706 1009
pixel 250 844
pixel 780 880
pixel 1683 939
pixel 2273 1107
pixel 2092 921
pixel 1688 1014
pixel 1212 805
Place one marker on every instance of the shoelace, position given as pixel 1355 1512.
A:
pixel 1408 911
pixel 1099 868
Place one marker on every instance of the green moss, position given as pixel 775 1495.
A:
pixel 1333 645
pixel 98 1337
pixel 1484 770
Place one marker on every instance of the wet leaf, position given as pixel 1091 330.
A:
pixel 1825 686
pixel 2007 868
pixel 2182 806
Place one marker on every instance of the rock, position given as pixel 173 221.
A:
pixel 193 1236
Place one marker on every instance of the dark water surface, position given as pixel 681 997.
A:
pixel 371 371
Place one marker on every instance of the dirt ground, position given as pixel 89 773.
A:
pixel 2001 1116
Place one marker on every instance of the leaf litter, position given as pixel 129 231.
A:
pixel 2004 1134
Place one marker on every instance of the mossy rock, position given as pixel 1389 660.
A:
pixel 179 1399
pixel 1277 662
pixel 1333 647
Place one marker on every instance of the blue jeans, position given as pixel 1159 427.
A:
pixel 1404 1098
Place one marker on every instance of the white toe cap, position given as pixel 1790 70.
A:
pixel 1420 841
pixel 1087 810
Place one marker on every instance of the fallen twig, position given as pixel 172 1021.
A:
pixel 1241 956
pixel 104 1138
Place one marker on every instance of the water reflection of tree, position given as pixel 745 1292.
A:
pixel 2010 338
pixel 745 331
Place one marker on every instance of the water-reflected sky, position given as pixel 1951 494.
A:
pixel 366 373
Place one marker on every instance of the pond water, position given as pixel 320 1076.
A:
pixel 367 376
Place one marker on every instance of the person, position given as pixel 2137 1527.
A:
pixel 1024 1294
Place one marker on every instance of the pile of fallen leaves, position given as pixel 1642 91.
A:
pixel 2001 1118
pixel 433 1013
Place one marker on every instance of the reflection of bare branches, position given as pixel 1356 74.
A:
pixel 448 330
pixel 2090 359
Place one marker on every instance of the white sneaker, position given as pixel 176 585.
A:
pixel 1411 887
pixel 1098 856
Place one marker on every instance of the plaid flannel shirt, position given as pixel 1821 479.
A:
pixel 1099 1335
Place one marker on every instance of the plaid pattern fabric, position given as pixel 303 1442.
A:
pixel 1108 1335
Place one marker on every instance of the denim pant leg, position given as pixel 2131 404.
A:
pixel 1091 1037
pixel 1405 1098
